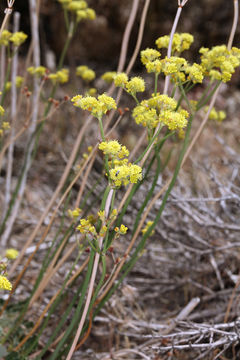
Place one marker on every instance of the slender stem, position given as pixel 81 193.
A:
pixel 16 21
pixel 167 79
pixel 91 284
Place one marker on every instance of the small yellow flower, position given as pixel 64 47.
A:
pixel 98 107
pixel 60 76
pixel 18 38
pixel 39 71
pixel 5 125
pixel 77 5
pixel 101 214
pixel 74 213
pixel 136 84
pixel 148 225
pixel 123 229
pixel 11 254
pixel 120 80
pixel 19 81
pixel 149 55
pixel 2 111
pixel 4 39
pixel 5 283
pixel 85 73
pixel 109 76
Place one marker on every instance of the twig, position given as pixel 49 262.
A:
pixel 35 103
pixel 16 21
pixel 91 284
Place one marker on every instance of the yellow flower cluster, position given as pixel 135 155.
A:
pixel 91 92
pixel 216 115
pixel 18 38
pixel 109 76
pixel 125 174
pixel 114 149
pixel 219 63
pixel 97 106
pixel 85 73
pixel 5 283
pixel 5 125
pixel 11 254
pixel 60 76
pixel 86 155
pixel 5 37
pixel 74 213
pixel 18 82
pixel 174 66
pixel 149 55
pixel 160 109
pixel 79 8
pixel 120 80
pixel 136 84
pixel 39 71
pixel 148 225
pixel 122 172
pixel 180 42
pixel 86 227
pixel 195 73
pixel 122 230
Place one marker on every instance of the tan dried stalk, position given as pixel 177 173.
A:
pixel 8 12
pixel 91 283
pixel 47 307
pixel 32 128
pixel 16 22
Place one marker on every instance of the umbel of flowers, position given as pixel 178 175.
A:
pixel 97 106
pixel 79 8
pixel 121 172
pixel 160 109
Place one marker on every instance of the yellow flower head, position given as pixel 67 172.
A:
pixel 219 63
pixel 98 107
pixel 101 214
pixel 114 149
pixel 195 73
pixel 149 55
pixel 2 111
pixel 148 225
pixel 120 80
pixel 5 125
pixel 74 213
pixel 136 84
pixel 125 174
pixel 18 38
pixel 154 66
pixel 5 37
pixel 60 76
pixel 85 73
pixel 180 42
pixel 109 76
pixel 11 254
pixel 76 5
pixel 5 283
pixel 123 229
pixel 39 71
pixel 216 115
pixel 86 227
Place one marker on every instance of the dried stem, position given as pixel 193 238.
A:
pixel 91 284
pixel 16 21
pixel 35 103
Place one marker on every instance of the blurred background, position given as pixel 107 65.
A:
pixel 99 41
